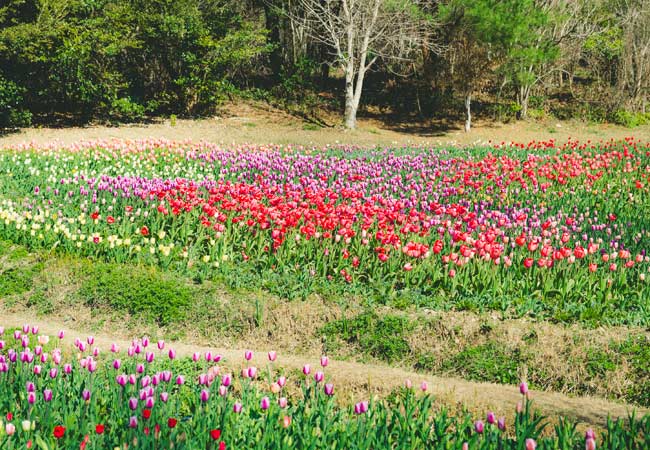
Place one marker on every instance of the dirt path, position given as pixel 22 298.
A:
pixel 259 124
pixel 355 381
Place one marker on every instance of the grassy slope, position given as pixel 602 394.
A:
pixel 122 300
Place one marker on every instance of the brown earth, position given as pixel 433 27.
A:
pixel 258 124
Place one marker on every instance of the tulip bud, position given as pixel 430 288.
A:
pixel 272 356
pixel 265 403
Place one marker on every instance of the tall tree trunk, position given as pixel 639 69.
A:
pixel 350 106
pixel 468 112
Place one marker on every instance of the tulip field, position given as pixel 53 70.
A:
pixel 55 395
pixel 544 232
pixel 556 231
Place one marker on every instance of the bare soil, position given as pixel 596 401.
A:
pixel 253 123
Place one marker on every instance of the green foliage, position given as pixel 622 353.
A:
pixel 19 279
pixel 126 110
pixel 492 362
pixel 381 337
pixel 144 291
pixel 11 112
pixel 630 119
pixel 636 350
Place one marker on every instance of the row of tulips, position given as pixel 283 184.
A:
pixel 541 220
pixel 56 396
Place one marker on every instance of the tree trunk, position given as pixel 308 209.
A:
pixel 468 112
pixel 350 106
pixel 273 25
pixel 524 95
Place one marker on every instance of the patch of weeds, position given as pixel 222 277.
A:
pixel 250 124
pixel 598 362
pixel 311 127
pixel 140 291
pixel 17 280
pixel 41 301
pixel 381 337
pixel 636 350
pixel 491 362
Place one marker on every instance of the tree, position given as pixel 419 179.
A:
pixel 361 32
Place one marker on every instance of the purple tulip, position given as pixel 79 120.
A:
pixel 164 396
pixel 117 364
pixel 501 423
pixel 329 389
pixel 47 395
pixel 31 398
pixel 133 403
pixel 306 369
pixel 252 372
pixel 67 369
pixel 265 403
pixel 54 372
pixel 272 356
pixel 319 376
pixel 161 344
pixel 30 386
pixel 172 353
pixel 149 357
pixel 85 395
pixel 180 380
pixel 491 418
pixel 149 402
pixel 523 388
pixel 133 422
pixel 248 355
pixel 324 361
pixel 237 407
pixel 479 426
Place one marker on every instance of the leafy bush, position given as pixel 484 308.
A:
pixel 12 115
pixel 126 110
pixel 630 119
pixel 489 362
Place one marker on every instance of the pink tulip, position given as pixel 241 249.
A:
pixel 248 355
pixel 479 426
pixel 132 379
pixel 35 329
pixel 329 389
pixel 139 368
pixel 54 372
pixel 226 380
pixel 282 402
pixel 117 364
pixel 265 403
pixel 408 384
pixel 319 376
pixel 61 334
pixel 237 407
pixel 306 369
pixel 144 382
pixel 590 444
pixel 282 381
pixel 26 328
pixel 531 444
pixel 85 395
pixel 145 342
pixel 121 380
pixel 424 386
pixel 252 372
pixel 324 361
pixel 180 380
pixel 223 390
pixel 37 370
pixel 491 418
pixel 208 356
pixel 17 334
pixel 133 422
pixel 90 340
pixel 272 356
pixel 149 357
pixel 501 423
pixel 31 398
pixel 133 403
pixel 67 369
pixel 172 353
pixel 523 388
pixel 164 396
pixel 38 350
pixel 10 429
pixel 29 386
pixel 161 344
pixel 115 348
pixel 196 356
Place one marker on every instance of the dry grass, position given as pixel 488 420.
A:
pixel 356 381
pixel 259 124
